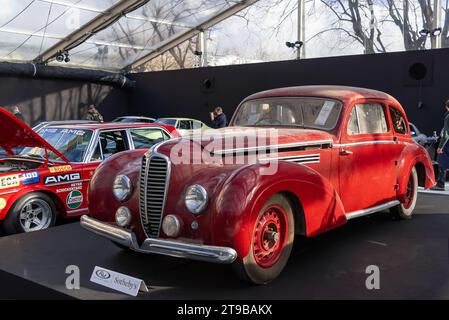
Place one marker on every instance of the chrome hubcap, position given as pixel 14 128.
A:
pixel 35 215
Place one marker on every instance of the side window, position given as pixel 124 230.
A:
pixel 353 125
pixel 146 138
pixel 368 118
pixel 398 120
pixel 97 156
pixel 113 142
pixel 197 125
pixel 185 125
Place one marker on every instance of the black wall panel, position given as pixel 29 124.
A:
pixel 419 80
pixel 45 99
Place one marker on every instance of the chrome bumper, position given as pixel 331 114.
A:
pixel 160 246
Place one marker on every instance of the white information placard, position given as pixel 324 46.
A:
pixel 118 281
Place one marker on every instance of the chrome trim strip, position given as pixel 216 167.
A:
pixel 275 147
pixel 167 182
pixel 9 192
pixel 146 157
pixel 365 212
pixel 364 143
pixel 173 248
pixel 310 158
pixel 76 211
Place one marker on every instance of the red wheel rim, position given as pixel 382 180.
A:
pixel 409 195
pixel 270 236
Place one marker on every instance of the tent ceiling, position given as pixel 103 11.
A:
pixel 104 34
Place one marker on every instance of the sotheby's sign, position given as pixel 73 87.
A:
pixel 118 281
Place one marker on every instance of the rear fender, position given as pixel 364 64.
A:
pixel 414 155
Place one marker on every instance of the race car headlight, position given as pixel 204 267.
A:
pixel 196 199
pixel 122 187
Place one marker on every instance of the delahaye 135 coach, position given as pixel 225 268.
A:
pixel 341 153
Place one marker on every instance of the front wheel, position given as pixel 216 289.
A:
pixel 405 209
pixel 33 212
pixel 271 242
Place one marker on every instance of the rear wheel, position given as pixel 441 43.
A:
pixel 33 212
pixel 405 209
pixel 271 244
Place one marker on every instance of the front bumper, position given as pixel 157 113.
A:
pixel 171 248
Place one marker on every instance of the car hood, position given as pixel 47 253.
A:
pixel 237 140
pixel 16 133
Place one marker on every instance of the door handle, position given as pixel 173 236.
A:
pixel 344 152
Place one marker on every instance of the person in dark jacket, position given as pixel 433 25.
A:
pixel 443 151
pixel 218 118
pixel 92 114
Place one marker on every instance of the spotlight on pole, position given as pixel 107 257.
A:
pixel 424 32
pixel 294 45
pixel 63 56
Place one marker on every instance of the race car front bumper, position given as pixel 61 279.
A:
pixel 173 248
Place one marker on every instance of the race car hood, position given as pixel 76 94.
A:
pixel 15 133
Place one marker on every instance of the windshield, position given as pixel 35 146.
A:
pixel 170 122
pixel 305 112
pixel 72 143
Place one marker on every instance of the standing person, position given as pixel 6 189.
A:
pixel 443 151
pixel 218 118
pixel 93 114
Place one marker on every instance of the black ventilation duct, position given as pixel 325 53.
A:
pixel 32 70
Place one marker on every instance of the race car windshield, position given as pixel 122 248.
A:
pixel 317 113
pixel 72 143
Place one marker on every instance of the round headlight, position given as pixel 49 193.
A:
pixel 171 225
pixel 123 217
pixel 196 199
pixel 122 187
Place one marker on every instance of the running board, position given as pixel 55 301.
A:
pixel 365 212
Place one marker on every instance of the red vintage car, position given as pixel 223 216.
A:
pixel 340 153
pixel 49 175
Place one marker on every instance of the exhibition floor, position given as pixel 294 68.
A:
pixel 412 257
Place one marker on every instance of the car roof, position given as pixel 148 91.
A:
pixel 342 93
pixel 178 119
pixel 134 117
pixel 112 125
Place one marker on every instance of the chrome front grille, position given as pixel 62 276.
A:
pixel 153 186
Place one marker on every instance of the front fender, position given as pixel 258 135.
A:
pixel 12 198
pixel 102 203
pixel 246 191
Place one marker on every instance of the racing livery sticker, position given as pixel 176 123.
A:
pixel 30 178
pixel 61 178
pixel 73 186
pixel 10 181
pixel 59 169
pixel 2 203
pixel 74 199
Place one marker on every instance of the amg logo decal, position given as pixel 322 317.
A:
pixel 62 178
